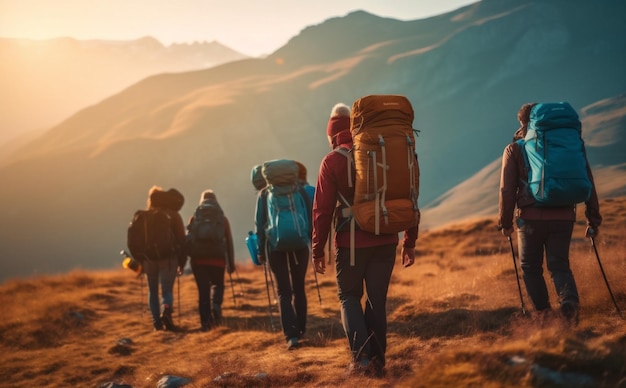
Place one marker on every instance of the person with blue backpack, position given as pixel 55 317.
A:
pixel 544 174
pixel 283 230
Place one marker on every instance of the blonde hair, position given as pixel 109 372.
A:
pixel 152 190
pixel 340 109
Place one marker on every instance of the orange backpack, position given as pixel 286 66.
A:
pixel 387 169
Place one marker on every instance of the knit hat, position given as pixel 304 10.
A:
pixel 339 120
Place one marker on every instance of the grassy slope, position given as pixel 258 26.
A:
pixel 454 320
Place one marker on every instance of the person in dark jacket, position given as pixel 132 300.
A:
pixel 208 269
pixel 541 229
pixel 289 269
pixel 163 271
pixel 366 331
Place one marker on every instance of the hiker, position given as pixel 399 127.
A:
pixel 211 251
pixel 286 251
pixel 366 331
pixel 542 228
pixel 162 269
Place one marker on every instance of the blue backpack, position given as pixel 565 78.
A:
pixel 287 227
pixel 554 153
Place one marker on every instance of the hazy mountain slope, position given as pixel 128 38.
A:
pixel 70 194
pixel 57 77
pixel 604 133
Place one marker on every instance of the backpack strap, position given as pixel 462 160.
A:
pixel 412 163
pixel 348 154
pixel 345 202
pixel 521 143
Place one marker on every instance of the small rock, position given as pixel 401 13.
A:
pixel 172 382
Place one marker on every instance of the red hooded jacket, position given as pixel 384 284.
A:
pixel 333 179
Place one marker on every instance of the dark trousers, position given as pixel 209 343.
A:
pixel 289 269
pixel 554 237
pixel 210 282
pixel 366 330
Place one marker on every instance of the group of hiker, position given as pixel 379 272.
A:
pixel 160 243
pixel 365 196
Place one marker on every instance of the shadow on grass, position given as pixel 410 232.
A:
pixel 453 322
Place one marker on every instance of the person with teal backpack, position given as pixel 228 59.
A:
pixel 283 230
pixel 545 174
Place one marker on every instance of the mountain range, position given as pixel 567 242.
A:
pixel 69 194
pixel 58 77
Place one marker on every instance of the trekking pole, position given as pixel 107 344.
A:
pixel 319 296
pixel 178 281
pixel 519 286
pixel 241 293
pixel 269 302
pixel 273 287
pixel 593 244
pixel 141 291
pixel 232 287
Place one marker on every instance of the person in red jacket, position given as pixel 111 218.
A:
pixel 541 228
pixel 208 265
pixel 366 331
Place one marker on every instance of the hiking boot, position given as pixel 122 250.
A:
pixel 217 316
pixel 359 367
pixel 205 326
pixel 166 318
pixel 569 311
pixel 292 343
pixel 375 368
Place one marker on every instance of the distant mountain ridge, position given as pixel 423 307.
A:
pixel 466 72
pixel 60 76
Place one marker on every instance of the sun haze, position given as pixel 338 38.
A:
pixel 252 28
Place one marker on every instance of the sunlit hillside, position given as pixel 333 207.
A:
pixel 59 77
pixel 455 320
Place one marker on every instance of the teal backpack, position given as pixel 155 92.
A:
pixel 554 154
pixel 287 227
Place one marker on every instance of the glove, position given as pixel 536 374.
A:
pixel 507 232
pixel 319 264
pixel 592 231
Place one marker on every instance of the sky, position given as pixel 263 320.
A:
pixel 252 27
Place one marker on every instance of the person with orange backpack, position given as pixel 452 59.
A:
pixel 362 256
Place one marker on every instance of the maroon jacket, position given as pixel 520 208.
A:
pixel 514 193
pixel 333 178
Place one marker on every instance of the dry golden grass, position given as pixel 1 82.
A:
pixel 454 320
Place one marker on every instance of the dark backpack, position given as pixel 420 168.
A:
pixel 150 235
pixel 554 154
pixel 206 237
